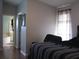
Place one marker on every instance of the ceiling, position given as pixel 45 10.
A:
pixel 58 3
pixel 14 2
pixel 55 3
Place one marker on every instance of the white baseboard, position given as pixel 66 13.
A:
pixel 25 54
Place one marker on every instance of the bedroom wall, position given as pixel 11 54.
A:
pixel 1 30
pixel 41 21
pixel 75 17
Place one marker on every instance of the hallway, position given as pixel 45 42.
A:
pixel 10 53
pixel 8 28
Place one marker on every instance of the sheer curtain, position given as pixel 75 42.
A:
pixel 63 27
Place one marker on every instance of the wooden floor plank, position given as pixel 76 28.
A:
pixel 11 53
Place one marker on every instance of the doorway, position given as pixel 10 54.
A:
pixel 21 33
pixel 8 30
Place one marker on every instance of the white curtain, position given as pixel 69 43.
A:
pixel 63 27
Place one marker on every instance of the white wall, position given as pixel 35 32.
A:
pixel 6 24
pixel 41 21
pixel 75 17
pixel 1 30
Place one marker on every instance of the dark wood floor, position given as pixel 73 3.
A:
pixel 10 53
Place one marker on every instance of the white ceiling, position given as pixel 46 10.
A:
pixel 14 2
pixel 57 3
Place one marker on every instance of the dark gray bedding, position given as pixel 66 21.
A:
pixel 53 51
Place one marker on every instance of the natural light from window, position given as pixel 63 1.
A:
pixel 63 27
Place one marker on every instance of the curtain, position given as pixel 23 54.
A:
pixel 63 27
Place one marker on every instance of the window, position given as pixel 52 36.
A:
pixel 63 27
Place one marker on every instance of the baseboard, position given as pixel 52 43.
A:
pixel 23 53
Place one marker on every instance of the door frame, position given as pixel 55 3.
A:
pixel 19 31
